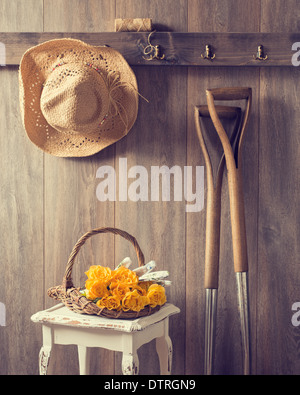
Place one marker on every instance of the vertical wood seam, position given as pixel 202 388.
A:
pixel 114 211
pixel 185 216
pixel 186 220
pixel 43 15
pixel 44 203
pixel 257 198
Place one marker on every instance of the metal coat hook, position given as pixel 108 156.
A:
pixel 152 52
pixel 260 55
pixel 208 53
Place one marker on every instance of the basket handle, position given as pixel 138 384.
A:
pixel 67 280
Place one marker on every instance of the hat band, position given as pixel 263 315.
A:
pixel 113 82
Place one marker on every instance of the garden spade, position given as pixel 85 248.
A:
pixel 213 210
pixel 233 159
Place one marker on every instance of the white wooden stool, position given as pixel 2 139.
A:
pixel 62 326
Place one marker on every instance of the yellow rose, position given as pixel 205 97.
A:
pixel 109 302
pixel 140 289
pixel 134 301
pixel 124 275
pixel 96 289
pixel 99 273
pixel 119 289
pixel 145 285
pixel 157 295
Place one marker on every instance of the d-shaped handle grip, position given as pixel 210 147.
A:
pixel 236 93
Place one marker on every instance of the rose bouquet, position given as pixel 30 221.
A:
pixel 123 289
pixel 120 293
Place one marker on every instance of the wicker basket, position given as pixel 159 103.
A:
pixel 75 301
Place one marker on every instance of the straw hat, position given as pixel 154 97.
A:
pixel 76 99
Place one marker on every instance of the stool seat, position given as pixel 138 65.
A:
pixel 62 326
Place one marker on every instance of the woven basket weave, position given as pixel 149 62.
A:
pixel 75 301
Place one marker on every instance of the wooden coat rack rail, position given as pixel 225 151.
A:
pixel 173 49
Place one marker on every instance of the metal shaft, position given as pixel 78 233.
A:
pixel 211 297
pixel 242 291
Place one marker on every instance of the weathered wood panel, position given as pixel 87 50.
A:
pixel 228 351
pixel 47 203
pixel 179 49
pixel 71 206
pixel 232 16
pixel 279 188
pixel 21 212
pixel 158 138
pixel 278 275
pixel 228 346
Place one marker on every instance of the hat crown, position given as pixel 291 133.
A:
pixel 74 99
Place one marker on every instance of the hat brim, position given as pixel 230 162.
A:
pixel 37 64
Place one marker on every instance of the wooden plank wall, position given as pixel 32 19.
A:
pixel 47 203
pixel 278 221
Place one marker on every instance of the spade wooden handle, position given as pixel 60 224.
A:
pixel 213 208
pixel 238 227
pixel 213 199
pixel 233 158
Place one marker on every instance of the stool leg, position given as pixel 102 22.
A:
pixel 164 350
pixel 84 360
pixel 44 357
pixel 130 364
pixel 130 359
pixel 45 351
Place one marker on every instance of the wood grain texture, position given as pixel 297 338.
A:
pixel 157 139
pixel 228 348
pixel 224 16
pixel 280 16
pixel 71 205
pixel 159 225
pixel 279 187
pixel 18 16
pixel 228 331
pixel 278 281
pixel 79 16
pixel 47 203
pixel 179 49
pixel 22 247
pixel 21 213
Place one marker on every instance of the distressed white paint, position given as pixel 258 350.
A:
pixel 62 326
